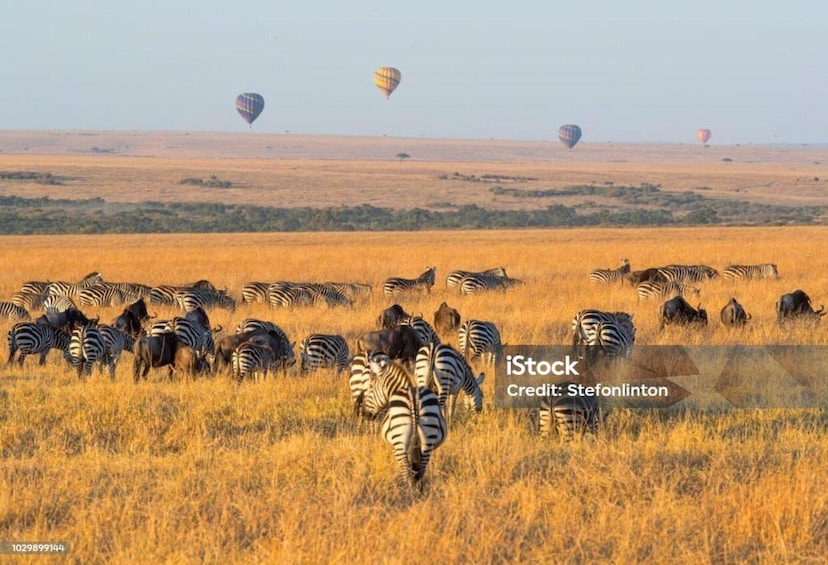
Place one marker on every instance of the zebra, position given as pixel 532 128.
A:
pixel 453 279
pixel 254 324
pixel 586 320
pixel 325 293
pixel 104 294
pixel 361 375
pixel 425 331
pixel 164 295
pixel 130 291
pixel 414 427
pixel 251 359
pixel 398 285
pixel 569 413
pixel 189 333
pixel 607 276
pixel 650 289
pixel 478 338
pixel 351 290
pixel 35 287
pixel 29 338
pixel 320 351
pixel 288 296
pixel 442 369
pixel 88 347
pixel 387 377
pixel 29 300
pixel 116 342
pixel 54 303
pixel 477 283
pixel 749 272
pixel 255 293
pixel 191 298
pixel 610 338
pixel 12 311
pixel 62 288
pixel 688 273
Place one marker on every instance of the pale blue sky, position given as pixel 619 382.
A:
pixel 637 71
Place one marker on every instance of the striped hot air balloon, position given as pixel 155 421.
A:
pixel 703 135
pixel 569 134
pixel 249 105
pixel 387 79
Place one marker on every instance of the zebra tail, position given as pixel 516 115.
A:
pixel 414 447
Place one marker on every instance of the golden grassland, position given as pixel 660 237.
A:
pixel 271 170
pixel 275 471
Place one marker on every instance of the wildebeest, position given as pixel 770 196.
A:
pixel 130 320
pixel 189 363
pixel 67 320
pixel 391 316
pixel 154 351
pixel 637 277
pixel 229 343
pixel 733 314
pixel 795 305
pixel 199 316
pixel 401 342
pixel 678 311
pixel 446 319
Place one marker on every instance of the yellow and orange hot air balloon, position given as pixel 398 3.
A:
pixel 703 135
pixel 387 79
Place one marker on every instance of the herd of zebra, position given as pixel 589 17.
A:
pixel 402 374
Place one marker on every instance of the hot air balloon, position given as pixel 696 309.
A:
pixel 249 105
pixel 387 79
pixel 569 134
pixel 703 135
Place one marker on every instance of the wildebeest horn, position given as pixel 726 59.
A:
pixel 217 329
pixel 153 316
pixel 821 311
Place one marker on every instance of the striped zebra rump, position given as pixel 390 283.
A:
pixel 254 324
pixel 471 284
pixel 320 351
pixel 11 311
pixel 194 298
pixel 164 295
pixel 189 333
pixel 55 303
pixel 608 276
pixel 569 414
pixel 255 293
pixel 585 321
pixel 425 331
pixel 453 279
pixel 86 348
pixel 116 343
pixel 443 370
pixel 478 339
pixel 281 295
pixel 101 295
pixel 750 272
pixel 398 285
pixel 609 339
pixel 649 290
pixel 251 360
pixel 414 427
pixel 28 338
pixel 35 287
pixel 387 377
pixel 29 300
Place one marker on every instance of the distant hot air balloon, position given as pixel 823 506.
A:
pixel 569 134
pixel 249 105
pixel 703 135
pixel 387 79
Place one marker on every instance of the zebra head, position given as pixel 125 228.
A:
pixel 475 401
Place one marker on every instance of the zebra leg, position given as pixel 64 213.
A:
pixel 42 358
pixel 21 358
pixel 12 351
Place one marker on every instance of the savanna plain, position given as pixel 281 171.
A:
pixel 276 470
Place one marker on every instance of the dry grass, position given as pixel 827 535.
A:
pixel 274 471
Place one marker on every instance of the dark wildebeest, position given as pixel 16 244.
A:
pixel 678 311
pixel 228 344
pixel 154 351
pixel 795 305
pixel 66 320
pixel 189 363
pixel 391 316
pixel 132 317
pixel 637 277
pixel 401 342
pixel 733 314
pixel 446 319
pixel 199 316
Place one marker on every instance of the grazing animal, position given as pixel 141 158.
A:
pixel 286 347
pixel 750 272
pixel 453 279
pixel 391 316
pixel 254 293
pixel 478 338
pixel 88 347
pixel 650 289
pixel 442 369
pixel 192 298
pixel 733 314
pixel 66 320
pixel 29 300
pixel 446 319
pixel 251 360
pixel 128 323
pixel 189 363
pixel 189 333
pixel 29 338
pixel 401 342
pixel 62 288
pixel 11 311
pixel 399 285
pixel 608 276
pixel 471 284
pixel 154 351
pixel 56 303
pixel 117 341
pixel 585 321
pixel 797 305
pixel 677 311
pixel 653 274
pixel 227 345
pixel 320 351
pixel 610 339
pixel 286 295
pixel 387 377
pixel 688 273
pixel 361 376
pixel 425 332
pixel 569 413
pixel 414 427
